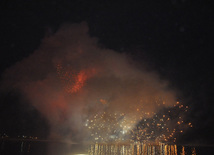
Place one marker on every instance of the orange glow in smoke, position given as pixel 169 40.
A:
pixel 103 101
pixel 79 81
pixel 72 80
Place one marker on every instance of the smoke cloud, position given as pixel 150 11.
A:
pixel 70 79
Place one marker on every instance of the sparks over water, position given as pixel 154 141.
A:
pixel 117 127
pixel 92 94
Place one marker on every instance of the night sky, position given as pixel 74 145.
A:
pixel 174 38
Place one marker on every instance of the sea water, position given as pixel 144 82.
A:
pixel 59 148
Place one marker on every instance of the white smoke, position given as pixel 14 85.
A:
pixel 69 78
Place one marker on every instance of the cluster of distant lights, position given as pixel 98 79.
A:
pixel 5 136
pixel 152 127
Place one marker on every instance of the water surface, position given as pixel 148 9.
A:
pixel 58 148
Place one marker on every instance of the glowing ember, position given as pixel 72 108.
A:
pixel 73 81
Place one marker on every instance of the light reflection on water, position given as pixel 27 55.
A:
pixel 137 149
pixel 55 148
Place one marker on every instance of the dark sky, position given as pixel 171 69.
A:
pixel 174 37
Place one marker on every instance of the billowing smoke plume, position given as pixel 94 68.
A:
pixel 70 79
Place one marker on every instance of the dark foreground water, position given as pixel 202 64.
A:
pixel 57 148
